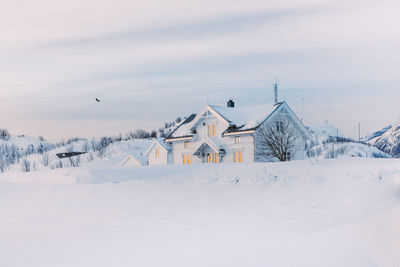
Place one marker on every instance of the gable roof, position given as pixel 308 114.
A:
pixel 160 142
pixel 132 159
pixel 207 142
pixel 246 118
pixel 238 119
pixel 181 130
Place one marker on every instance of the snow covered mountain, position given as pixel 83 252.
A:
pixel 375 134
pixel 387 139
pixel 330 143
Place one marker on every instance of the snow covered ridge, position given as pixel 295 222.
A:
pixel 329 143
pixel 13 149
pixel 387 139
pixel 376 134
pixel 25 153
pixel 341 212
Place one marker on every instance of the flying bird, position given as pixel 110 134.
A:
pixel 98 100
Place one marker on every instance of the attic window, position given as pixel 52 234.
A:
pixel 186 144
pixel 284 111
pixel 237 139
pixel 157 152
pixel 207 114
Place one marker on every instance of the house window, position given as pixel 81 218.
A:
pixel 212 158
pixel 187 159
pixel 238 156
pixel 212 130
pixel 237 139
pixel 186 144
pixel 157 152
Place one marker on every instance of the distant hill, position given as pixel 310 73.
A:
pixel 27 153
pixel 328 142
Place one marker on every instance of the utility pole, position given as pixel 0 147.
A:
pixel 276 91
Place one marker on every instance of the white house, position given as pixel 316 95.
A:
pixel 223 134
pixel 159 152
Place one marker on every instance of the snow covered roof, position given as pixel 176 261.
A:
pixel 207 142
pixel 183 129
pixel 246 117
pixel 131 160
pixel 135 148
pixel 160 142
pixel 238 118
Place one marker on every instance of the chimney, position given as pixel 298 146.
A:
pixel 230 104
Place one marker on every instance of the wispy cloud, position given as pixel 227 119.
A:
pixel 205 27
pixel 151 62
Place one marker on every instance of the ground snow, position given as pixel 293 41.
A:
pixel 307 213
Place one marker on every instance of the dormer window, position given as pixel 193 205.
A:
pixel 212 130
pixel 207 114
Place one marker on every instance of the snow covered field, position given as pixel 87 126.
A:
pixel 342 212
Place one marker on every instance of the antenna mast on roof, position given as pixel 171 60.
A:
pixel 276 91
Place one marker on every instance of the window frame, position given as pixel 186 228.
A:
pixel 187 159
pixel 212 129
pixel 238 139
pixel 238 156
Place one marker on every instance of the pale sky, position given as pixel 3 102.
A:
pixel 151 61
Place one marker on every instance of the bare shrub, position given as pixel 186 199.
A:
pixel 45 160
pixel 75 161
pixel 25 165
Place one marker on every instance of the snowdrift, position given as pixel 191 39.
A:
pixel 342 212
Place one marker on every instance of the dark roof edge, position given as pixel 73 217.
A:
pixel 188 119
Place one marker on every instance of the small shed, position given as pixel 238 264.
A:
pixel 130 161
pixel 159 153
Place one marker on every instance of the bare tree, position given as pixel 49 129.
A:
pixel 45 160
pixel 26 165
pixel 3 164
pixel 85 146
pixel 59 164
pixel 277 139
pixel 4 134
pixel 141 134
pixel 75 161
